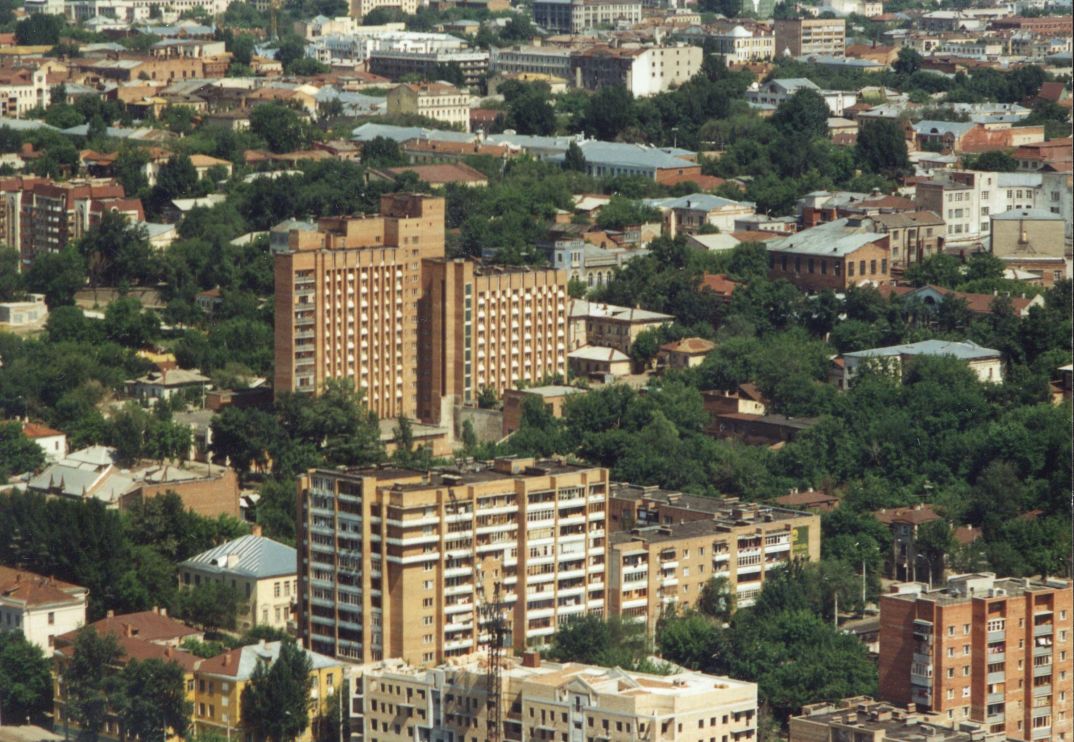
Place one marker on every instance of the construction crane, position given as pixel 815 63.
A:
pixel 490 615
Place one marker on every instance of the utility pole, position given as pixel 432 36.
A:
pixel 342 688
pixel 863 584
pixel 835 616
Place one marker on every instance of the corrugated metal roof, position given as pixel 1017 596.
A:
pixel 253 556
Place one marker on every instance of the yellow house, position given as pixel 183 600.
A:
pixel 219 682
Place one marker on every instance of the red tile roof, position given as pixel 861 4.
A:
pixel 812 498
pixel 689 345
pixel 148 626
pixel 38 430
pixel 35 590
pixel 719 284
pixel 449 172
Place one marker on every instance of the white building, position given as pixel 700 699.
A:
pixel 576 16
pixel 53 443
pixel 41 608
pixel 986 363
pixel 358 46
pixel 867 8
pixel 774 92
pixel 739 45
pixel 644 71
pixel 30 313
pixel 22 89
pixel 434 100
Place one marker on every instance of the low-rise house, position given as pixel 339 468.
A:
pixel 40 608
pixel 53 443
pixel 759 430
pixel 598 362
pixel 811 499
pixel 158 385
pixel 609 326
pixel 902 560
pixel 980 304
pixel 746 399
pixel 772 93
pixel 552 396
pixel 986 363
pixel 148 635
pixel 720 285
pixel 31 313
pixel 1054 154
pixel 967 136
pixel 739 45
pixel 263 573
pixel 221 680
pixel 827 257
pixel 693 213
pixel 437 176
pixel 685 353
pixel 204 163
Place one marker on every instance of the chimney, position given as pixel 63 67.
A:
pixel 255 530
pixel 164 612
pixel 110 614
pixel 531 659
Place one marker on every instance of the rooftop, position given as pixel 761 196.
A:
pixel 240 663
pixel 33 590
pixel 832 239
pixel 964 587
pixel 966 351
pixel 251 556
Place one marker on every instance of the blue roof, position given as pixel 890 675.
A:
pixel 695 201
pixel 958 128
pixel 370 131
pixel 630 155
pixel 251 556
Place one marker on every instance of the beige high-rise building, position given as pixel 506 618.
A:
pixel 801 37
pixel 395 563
pixel 346 301
pixel 665 546
pixel 488 326
pixel 396 702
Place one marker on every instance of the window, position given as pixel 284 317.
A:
pixel 51 618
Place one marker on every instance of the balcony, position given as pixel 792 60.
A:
pixel 1042 651
pixel 1043 629
pixel 996 636
pixel 996 698
pixel 996 718
pixel 996 677
pixel 994 657
pixel 1039 671
pixel 1042 733
pixel 1042 690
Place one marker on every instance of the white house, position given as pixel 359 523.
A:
pixel 24 313
pixel 774 92
pixel 52 442
pixel 41 608
pixel 985 362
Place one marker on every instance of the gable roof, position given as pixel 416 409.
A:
pixel 916 515
pixel 241 663
pixel 148 626
pixel 965 351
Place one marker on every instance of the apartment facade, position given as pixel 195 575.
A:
pixel 815 259
pixel 485 326
pixel 396 702
pixel 576 16
pixel 23 89
pixel 863 719
pixel 805 36
pixel 739 45
pixel 540 60
pixel 360 8
pixel 435 100
pixel 609 326
pixel 996 651
pixel 643 71
pixel 396 563
pixel 42 216
pixel 346 300
pixel 473 65
pixel 219 683
pixel 667 545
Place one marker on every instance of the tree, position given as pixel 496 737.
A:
pixel 908 61
pixel 211 605
pixel 57 275
pixel 280 127
pixel 126 323
pixel 116 251
pixel 152 700
pixel 39 29
pixel 244 437
pixel 608 112
pixel 11 280
pixel 92 681
pixel 130 170
pixel 996 161
pixel 690 639
pixel 276 701
pixel 573 159
pixel 25 681
pixel 593 640
pixel 935 541
pixel 528 109
pixel 620 212
pixel 382 152
pixel 177 178
pixel 330 721
pixel 881 148
pixel 717 599
pixel 803 116
pixel 18 453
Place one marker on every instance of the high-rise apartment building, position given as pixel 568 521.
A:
pixel 38 215
pixel 346 303
pixel 395 563
pixel 374 300
pixel 984 649
pixel 396 702
pixel 665 546
pixel 488 326
pixel 801 37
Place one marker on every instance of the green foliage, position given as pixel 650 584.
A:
pixel 152 700
pixel 995 161
pixel 621 212
pixel 137 433
pixel 691 639
pixel 717 600
pixel 573 159
pixel 611 642
pixel 126 323
pixel 382 152
pixel 18 453
pixel 528 108
pixel 57 275
pixel 25 681
pixel 280 127
pixel 881 148
pixel 116 251
pixel 276 702
pixel 212 605
pixel 91 681
pixel 39 29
